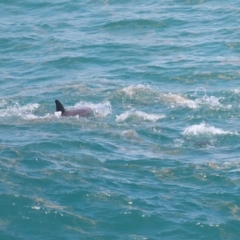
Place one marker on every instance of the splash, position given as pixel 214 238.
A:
pixel 99 109
pixel 211 101
pixel 58 114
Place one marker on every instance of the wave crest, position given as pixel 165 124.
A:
pixel 139 114
pixel 201 129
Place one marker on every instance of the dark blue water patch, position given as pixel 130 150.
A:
pixel 233 45
pixel 10 153
pixel 39 216
pixel 139 24
pixel 164 137
pixel 81 62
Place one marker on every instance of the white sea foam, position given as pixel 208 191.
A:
pixel 36 207
pixel 179 100
pixel 139 114
pixel 25 112
pixel 236 91
pixel 99 109
pixel 130 134
pixel 3 103
pixel 176 99
pixel 58 114
pixel 29 116
pixel 133 89
pixel 18 110
pixel 199 129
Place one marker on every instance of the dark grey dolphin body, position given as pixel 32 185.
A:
pixel 82 112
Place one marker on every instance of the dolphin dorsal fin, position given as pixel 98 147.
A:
pixel 59 107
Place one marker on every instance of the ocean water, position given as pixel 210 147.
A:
pixel 159 157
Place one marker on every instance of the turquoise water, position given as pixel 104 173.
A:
pixel 159 156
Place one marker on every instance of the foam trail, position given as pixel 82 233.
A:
pixel 24 112
pixel 18 110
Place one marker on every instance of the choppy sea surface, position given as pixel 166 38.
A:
pixel 159 157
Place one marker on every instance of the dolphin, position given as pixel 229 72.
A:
pixel 81 112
